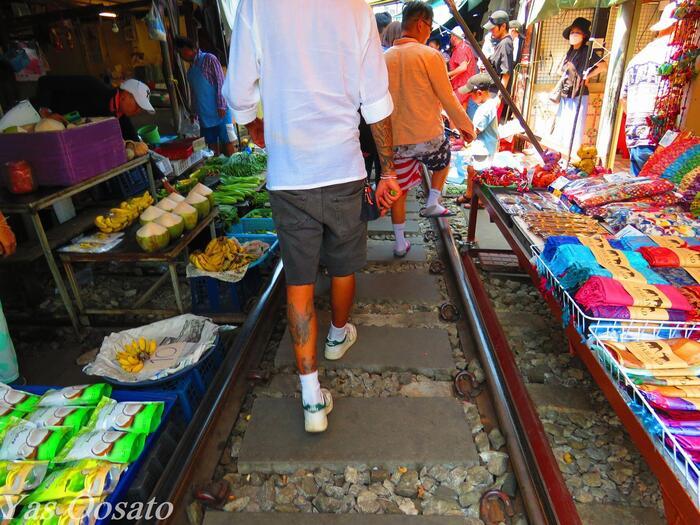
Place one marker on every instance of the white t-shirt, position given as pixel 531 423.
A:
pixel 312 64
pixel 640 86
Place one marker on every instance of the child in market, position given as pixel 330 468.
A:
pixel 482 108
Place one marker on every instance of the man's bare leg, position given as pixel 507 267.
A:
pixel 301 316
pixel 398 221
pixel 342 297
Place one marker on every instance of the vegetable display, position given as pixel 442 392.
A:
pixel 238 165
pixel 233 190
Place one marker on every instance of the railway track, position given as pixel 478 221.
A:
pixel 432 422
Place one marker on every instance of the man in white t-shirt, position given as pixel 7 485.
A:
pixel 312 64
pixel 641 85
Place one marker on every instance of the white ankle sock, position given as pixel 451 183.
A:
pixel 433 198
pixel 399 234
pixel 336 334
pixel 310 389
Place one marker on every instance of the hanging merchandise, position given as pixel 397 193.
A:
pixel 156 28
pixel 678 71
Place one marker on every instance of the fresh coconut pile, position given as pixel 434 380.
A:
pixel 167 204
pixel 205 192
pixel 199 202
pixel 152 237
pixel 188 214
pixel 173 223
pixel 150 214
pixel 176 197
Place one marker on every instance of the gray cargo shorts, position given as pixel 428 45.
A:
pixel 320 225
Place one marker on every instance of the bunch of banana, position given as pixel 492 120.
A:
pixel 134 354
pixel 221 255
pixel 125 215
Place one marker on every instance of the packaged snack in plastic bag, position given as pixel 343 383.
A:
pixel 18 399
pixel 22 440
pixel 17 477
pixel 80 395
pixel 85 479
pixel 105 445
pixel 73 417
pixel 8 410
pixel 143 417
pixel 83 511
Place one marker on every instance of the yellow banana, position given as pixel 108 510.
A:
pixel 151 346
pixel 142 344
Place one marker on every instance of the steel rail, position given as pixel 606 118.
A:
pixel 198 451
pixel 544 493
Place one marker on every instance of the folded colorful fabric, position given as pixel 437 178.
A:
pixel 691 444
pixel 660 401
pixel 692 295
pixel 676 276
pixel 573 264
pixel 636 242
pixel 552 243
pixel 637 313
pixel 671 257
pixel 680 427
pixel 667 358
pixel 604 291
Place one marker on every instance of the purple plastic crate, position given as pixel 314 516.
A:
pixel 64 158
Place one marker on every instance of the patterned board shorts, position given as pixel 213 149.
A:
pixel 435 153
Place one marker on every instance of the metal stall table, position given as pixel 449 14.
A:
pixel 31 204
pixel 128 251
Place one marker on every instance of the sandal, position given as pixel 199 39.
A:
pixel 444 213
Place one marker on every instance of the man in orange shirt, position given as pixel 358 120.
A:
pixel 420 88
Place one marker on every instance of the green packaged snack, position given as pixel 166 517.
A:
pixel 105 445
pixel 142 417
pixel 73 417
pixel 9 410
pixel 17 477
pixel 81 395
pixel 22 401
pixel 85 479
pixel 21 440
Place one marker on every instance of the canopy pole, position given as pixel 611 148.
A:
pixel 591 40
pixel 497 79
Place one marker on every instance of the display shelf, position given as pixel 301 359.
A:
pixel 29 251
pixel 630 329
pixel 664 439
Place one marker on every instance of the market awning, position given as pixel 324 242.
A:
pixel 544 9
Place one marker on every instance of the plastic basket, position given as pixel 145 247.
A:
pixel 128 184
pixel 131 473
pixel 253 226
pixel 212 296
pixel 188 384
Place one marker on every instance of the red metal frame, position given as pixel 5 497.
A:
pixel 678 504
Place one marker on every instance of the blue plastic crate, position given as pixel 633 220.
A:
pixel 129 184
pixel 252 226
pixel 212 296
pixel 169 402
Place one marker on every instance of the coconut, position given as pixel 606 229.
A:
pixel 150 214
pixel 152 237
pixel 174 224
pixel 200 202
pixel 166 204
pixel 205 191
pixel 188 214
pixel 176 198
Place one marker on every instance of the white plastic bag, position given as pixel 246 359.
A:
pixel 156 28
pixel 20 115
pixel 181 341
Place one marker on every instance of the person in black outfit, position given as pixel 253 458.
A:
pixel 92 98
pixel 502 57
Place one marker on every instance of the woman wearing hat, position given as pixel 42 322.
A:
pixel 572 84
